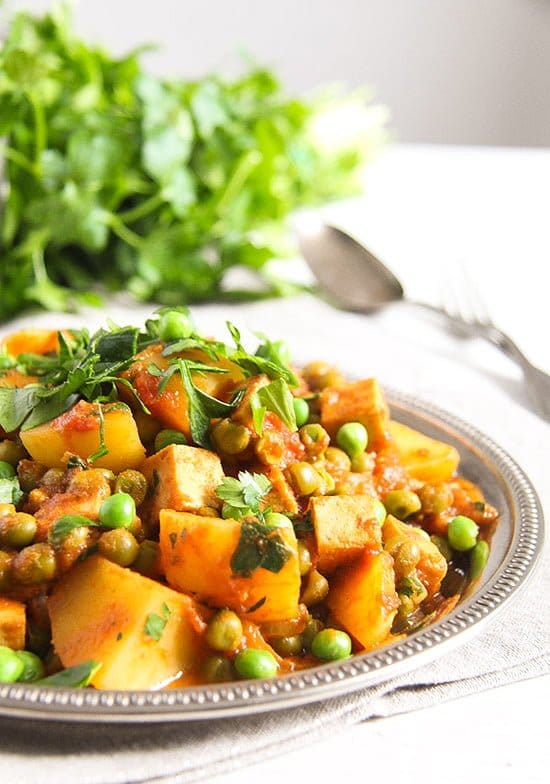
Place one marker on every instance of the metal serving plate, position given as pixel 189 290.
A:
pixel 514 551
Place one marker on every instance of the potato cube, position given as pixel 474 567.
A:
pixel 424 458
pixel 78 431
pixel 144 634
pixel 344 527
pixel 12 623
pixel 183 478
pixel 357 401
pixel 363 599
pixel 196 557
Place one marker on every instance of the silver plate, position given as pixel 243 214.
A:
pixel 514 551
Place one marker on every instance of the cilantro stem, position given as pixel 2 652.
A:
pixel 245 167
pixel 20 160
pixel 123 232
pixel 40 128
pixel 141 210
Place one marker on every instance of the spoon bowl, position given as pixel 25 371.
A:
pixel 347 271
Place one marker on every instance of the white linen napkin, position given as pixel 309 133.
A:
pixel 408 351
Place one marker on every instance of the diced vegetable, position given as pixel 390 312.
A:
pixel 144 634
pixel 344 527
pixel 197 556
pixel 357 401
pixel 12 623
pixel 363 599
pixel 79 431
pixel 424 458
pixel 183 478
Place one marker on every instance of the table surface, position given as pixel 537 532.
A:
pixel 426 207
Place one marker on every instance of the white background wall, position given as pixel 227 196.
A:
pixel 454 71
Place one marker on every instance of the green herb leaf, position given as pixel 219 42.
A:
pixel 259 546
pixel 10 491
pixel 277 397
pixel 155 624
pixel 76 677
pixel 157 187
pixel 64 525
pixel 244 495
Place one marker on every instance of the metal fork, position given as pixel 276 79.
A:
pixel 464 306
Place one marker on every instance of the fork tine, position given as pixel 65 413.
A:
pixel 475 305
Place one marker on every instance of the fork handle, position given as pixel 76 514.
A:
pixel 536 380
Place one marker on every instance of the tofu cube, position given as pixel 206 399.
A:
pixel 344 527
pixel 183 478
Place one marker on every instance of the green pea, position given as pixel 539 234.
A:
pixel 435 498
pixel 352 438
pixel 147 559
pixel 479 556
pixel 402 503
pixel 304 558
pixel 17 530
pixel 331 645
pixel 277 520
pixel 11 666
pixel 443 546
pixel 337 459
pixel 117 511
pixel 34 564
pixel 132 482
pixel 230 437
pixel 224 631
pixel 315 590
pixel 315 439
pixel 119 546
pixel 256 663
pixel 380 511
pixel 301 410
pixel 217 669
pixel 313 627
pixel 306 478
pixel 287 646
pixel 33 668
pixel 7 471
pixel 166 437
pixel 5 570
pixel 175 325
pixel 362 463
pixel 462 533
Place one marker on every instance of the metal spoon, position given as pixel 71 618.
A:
pixel 354 279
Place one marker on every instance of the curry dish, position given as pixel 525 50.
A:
pixel 176 510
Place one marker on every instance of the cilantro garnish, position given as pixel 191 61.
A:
pixel 260 545
pixel 275 397
pixel 155 624
pixel 10 491
pixel 243 496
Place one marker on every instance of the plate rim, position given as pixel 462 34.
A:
pixel 26 701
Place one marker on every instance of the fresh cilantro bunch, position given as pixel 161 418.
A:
pixel 156 187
